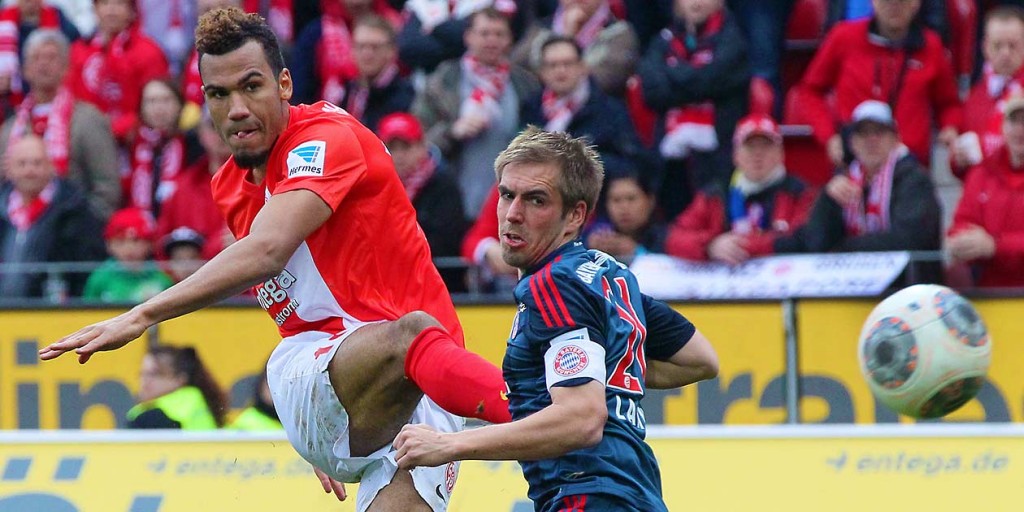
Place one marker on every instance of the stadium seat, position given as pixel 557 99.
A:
pixel 805 157
pixel 762 97
pixel 807 21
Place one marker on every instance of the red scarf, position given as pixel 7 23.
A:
pixel 278 13
pixel 23 215
pixel 559 111
pixel 103 70
pixel 191 82
pixel 872 217
pixel 592 28
pixel 359 94
pixel 488 85
pixel 1000 88
pixel 142 191
pixel 418 177
pixel 334 58
pixel 691 127
pixel 10 51
pixel 53 125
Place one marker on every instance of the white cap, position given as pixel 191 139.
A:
pixel 873 111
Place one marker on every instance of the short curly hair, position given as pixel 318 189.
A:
pixel 225 30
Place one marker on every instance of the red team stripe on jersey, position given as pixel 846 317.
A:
pixel 574 503
pixel 549 304
pixel 540 303
pixel 558 296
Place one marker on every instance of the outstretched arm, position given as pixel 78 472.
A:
pixel 574 420
pixel 283 223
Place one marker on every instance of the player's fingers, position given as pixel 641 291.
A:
pixel 339 490
pixel 325 481
pixel 69 342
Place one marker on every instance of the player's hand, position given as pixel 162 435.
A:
pixel 107 335
pixel 728 248
pixel 420 445
pixel 331 485
pixel 843 190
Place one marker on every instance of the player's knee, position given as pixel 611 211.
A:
pixel 409 326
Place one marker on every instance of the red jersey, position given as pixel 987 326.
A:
pixel 370 260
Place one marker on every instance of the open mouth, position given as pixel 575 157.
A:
pixel 512 240
pixel 244 134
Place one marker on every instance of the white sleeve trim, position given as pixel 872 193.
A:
pixel 572 356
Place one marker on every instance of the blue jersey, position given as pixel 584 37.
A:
pixel 581 317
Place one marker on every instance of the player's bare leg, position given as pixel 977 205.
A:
pixel 368 375
pixel 400 494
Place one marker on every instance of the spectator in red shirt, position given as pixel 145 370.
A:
pixel 888 57
pixel 762 202
pixel 110 68
pixel 1002 77
pixel 988 227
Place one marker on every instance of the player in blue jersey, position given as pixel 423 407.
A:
pixel 585 344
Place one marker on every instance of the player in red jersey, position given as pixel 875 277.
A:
pixel 329 241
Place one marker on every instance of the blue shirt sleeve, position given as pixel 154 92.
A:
pixel 667 330
pixel 557 304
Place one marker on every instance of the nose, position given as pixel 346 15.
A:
pixel 514 213
pixel 238 110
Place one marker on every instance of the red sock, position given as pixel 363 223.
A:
pixel 458 380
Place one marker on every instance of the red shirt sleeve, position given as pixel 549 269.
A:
pixel 326 159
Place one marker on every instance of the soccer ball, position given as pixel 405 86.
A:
pixel 924 351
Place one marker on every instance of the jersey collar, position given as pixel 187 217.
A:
pixel 574 245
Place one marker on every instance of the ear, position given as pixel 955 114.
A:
pixel 285 85
pixel 577 217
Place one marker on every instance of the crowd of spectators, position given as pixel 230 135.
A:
pixel 106 153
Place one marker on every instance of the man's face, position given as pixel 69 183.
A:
pixel 561 68
pixel 28 166
pixel 113 16
pixel 358 6
pixel 872 143
pixel 629 207
pixel 45 66
pixel 531 223
pixel 30 8
pixel 697 11
pixel 757 157
pixel 247 103
pixel 488 39
pixel 160 107
pixel 373 50
pixel 897 14
pixel 1013 132
pixel 406 155
pixel 1004 45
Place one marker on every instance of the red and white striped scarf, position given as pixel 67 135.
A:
pixel 488 85
pixel 588 33
pixel 10 49
pixel 418 177
pixel 52 124
pixel 359 93
pixel 872 217
pixel 559 111
pixel 691 127
pixel 334 59
pixel 24 214
pixel 139 182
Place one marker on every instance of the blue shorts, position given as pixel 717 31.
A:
pixel 588 503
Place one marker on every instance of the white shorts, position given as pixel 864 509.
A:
pixel 317 423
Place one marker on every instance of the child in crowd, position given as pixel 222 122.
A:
pixel 130 275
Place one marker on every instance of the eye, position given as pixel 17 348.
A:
pixel 537 201
pixel 216 94
pixel 252 87
pixel 506 195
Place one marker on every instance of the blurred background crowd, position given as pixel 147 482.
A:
pixel 729 129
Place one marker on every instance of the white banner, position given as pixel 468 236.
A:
pixel 773 277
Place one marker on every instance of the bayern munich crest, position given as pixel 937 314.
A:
pixel 570 360
pixel 449 478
